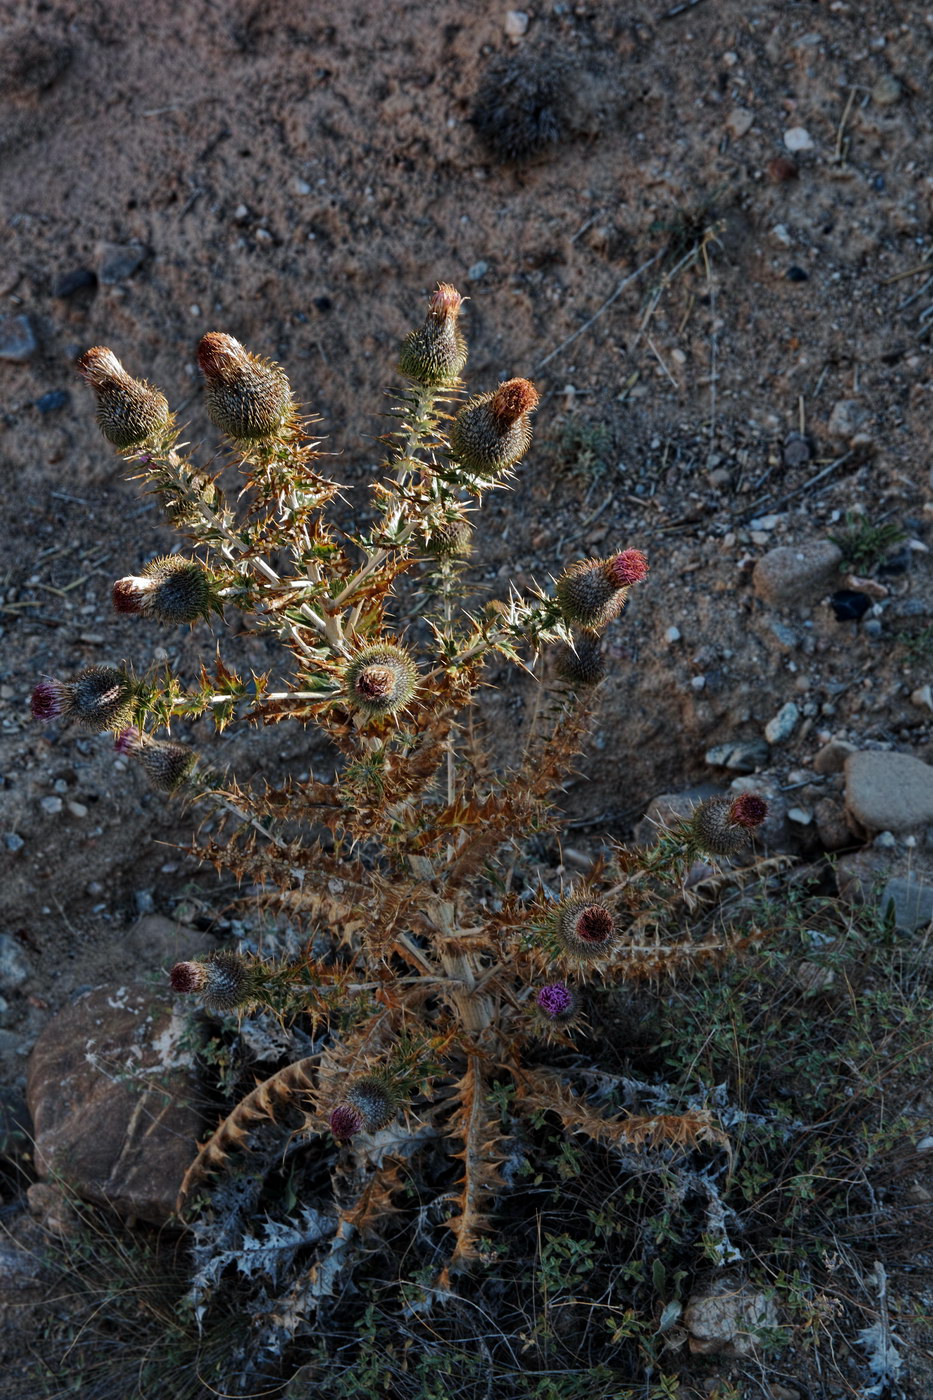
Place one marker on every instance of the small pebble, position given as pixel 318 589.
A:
pixel 116 262
pixel 516 24
pixel 94 888
pixel 17 339
pixel 477 271
pixel 885 840
pixel 79 280
pixel 781 170
pixel 796 451
pixel 672 635
pixel 301 186
pixel 782 726
pixel 922 697
pixel 872 628
pixel 51 806
pixel 887 90
pixel 77 809
pixel 801 815
pixel 698 682
pixel 796 274
pixel 739 121
pixel 53 400
pixel 797 138
pixel 13 842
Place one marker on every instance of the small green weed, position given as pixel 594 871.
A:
pixel 863 543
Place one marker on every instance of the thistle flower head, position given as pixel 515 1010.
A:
pixel 450 539
pixel 380 680
pixel 722 826
pixel 129 411
pixel 99 698
pixel 171 590
pixel 435 353
pixel 369 1104
pixel 492 432
pixel 556 1002
pixel 593 592
pixel 247 397
pixel 584 928
pixel 167 764
pixel 582 664
pixel 223 981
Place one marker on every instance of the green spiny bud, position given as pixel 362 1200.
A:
pixel 167 764
pixel 722 826
pixel 435 353
pixel 451 539
pixel 583 663
pixel 369 1105
pixel 129 411
pixel 171 589
pixel 492 432
pixel 592 592
pixel 248 398
pixel 380 680
pixel 224 981
pixel 100 698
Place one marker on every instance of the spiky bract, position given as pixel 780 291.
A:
pixel 584 928
pixel 380 680
pixel 722 826
pixel 224 981
pixel 171 590
pixel 492 431
pixel 369 1104
pixel 452 539
pixel 582 664
pixel 435 353
pixel 130 412
pixel 99 698
pixel 169 765
pixel 247 397
pixel 592 593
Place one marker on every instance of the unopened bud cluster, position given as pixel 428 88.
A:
pixel 130 412
pixel 380 680
pixel 167 764
pixel 222 982
pixel 492 431
pixel 434 355
pixel 593 592
pixel 368 1105
pixel 247 397
pixel 723 826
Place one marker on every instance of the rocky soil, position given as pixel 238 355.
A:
pixel 705 232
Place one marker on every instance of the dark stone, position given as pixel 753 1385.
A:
pixel 81 279
pixel 323 303
pixel 796 274
pixel 897 563
pixel 118 261
pixel 848 605
pixel 53 400
pixel 17 339
pixel 797 450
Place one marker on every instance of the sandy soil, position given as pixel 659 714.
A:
pixel 301 176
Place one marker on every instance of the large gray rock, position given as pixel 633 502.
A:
pixel 910 901
pixel 112 1092
pixel 793 575
pixel 889 791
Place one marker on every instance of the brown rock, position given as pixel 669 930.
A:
pixel 112 1096
pixel 832 756
pixel 728 1320
pixel 889 791
pixel 831 825
pixel 793 575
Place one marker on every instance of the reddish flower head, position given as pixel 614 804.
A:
pixel 630 566
pixel 585 928
pixel 748 810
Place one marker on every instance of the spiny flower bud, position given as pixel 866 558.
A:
pixel 585 928
pixel 556 1003
pixel 224 981
pixel 129 411
pixel 380 680
pixel 492 432
pixel 435 353
pixel 170 590
pixel 582 664
pixel 369 1105
pixel 100 698
pixel 167 764
pixel 450 539
pixel 247 397
pixel 722 826
pixel 592 592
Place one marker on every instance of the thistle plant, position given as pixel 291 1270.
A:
pixel 427 978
